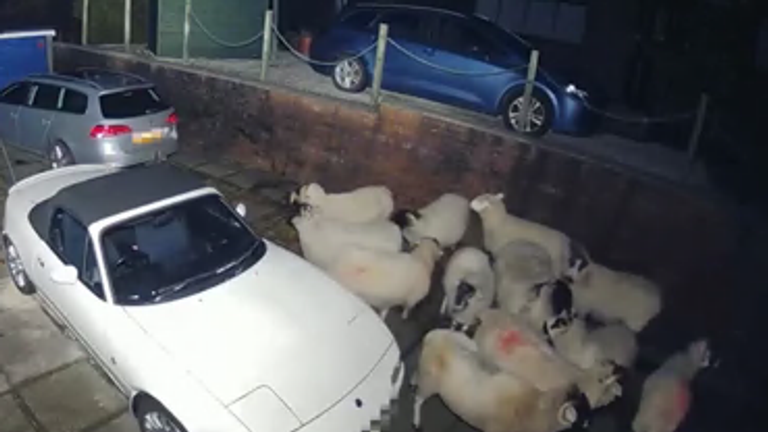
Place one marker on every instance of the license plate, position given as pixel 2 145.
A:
pixel 149 137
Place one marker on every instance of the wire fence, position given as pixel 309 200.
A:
pixel 308 60
pixel 220 41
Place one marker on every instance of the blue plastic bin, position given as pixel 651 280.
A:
pixel 25 53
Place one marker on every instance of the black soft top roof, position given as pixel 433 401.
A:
pixel 112 194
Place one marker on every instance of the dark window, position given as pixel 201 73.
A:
pixel 74 102
pixel 404 25
pixel 177 251
pixel 360 19
pixel 47 97
pixel 463 38
pixel 70 241
pixel 131 103
pixel 16 94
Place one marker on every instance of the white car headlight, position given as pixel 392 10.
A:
pixel 572 89
pixel 262 410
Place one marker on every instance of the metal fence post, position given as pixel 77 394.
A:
pixel 266 46
pixel 378 70
pixel 698 126
pixel 533 65
pixel 185 42
pixel 84 24
pixel 127 26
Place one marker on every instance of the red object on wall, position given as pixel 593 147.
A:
pixel 305 41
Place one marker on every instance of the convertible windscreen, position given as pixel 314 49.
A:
pixel 177 251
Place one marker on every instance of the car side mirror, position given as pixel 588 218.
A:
pixel 66 275
pixel 240 209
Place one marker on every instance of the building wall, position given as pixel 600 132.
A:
pixel 687 242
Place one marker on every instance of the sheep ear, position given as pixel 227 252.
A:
pixel 412 217
pixel 315 189
pixel 479 204
pixel 568 414
pixel 499 196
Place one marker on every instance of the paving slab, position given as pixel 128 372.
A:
pixel 188 159
pixel 73 398
pixel 11 417
pixel 4 385
pixel 30 345
pixel 124 423
pixel 249 178
pixel 218 170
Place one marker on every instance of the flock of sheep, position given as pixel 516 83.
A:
pixel 540 334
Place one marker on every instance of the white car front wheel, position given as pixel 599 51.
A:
pixel 153 417
pixel 16 269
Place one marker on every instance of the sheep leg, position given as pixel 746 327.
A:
pixel 444 306
pixel 383 313
pixel 418 401
pixel 406 312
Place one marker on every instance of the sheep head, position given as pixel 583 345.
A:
pixel 312 194
pixel 699 352
pixel 305 216
pixel 429 249
pixel 486 201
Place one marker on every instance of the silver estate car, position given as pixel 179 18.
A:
pixel 88 116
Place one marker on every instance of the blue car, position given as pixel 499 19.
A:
pixel 451 58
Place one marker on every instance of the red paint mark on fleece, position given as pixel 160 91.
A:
pixel 509 340
pixel 681 402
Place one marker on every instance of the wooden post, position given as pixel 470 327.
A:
pixel 378 70
pixel 266 44
pixel 276 21
pixel 185 41
pixel 127 26
pixel 84 24
pixel 533 65
pixel 698 126
pixel 49 52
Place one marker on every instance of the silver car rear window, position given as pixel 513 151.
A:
pixel 131 103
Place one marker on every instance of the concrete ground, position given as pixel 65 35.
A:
pixel 48 384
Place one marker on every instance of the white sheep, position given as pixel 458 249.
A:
pixel 364 204
pixel 384 279
pixel 323 238
pixel 666 396
pixel 469 285
pixel 610 295
pixel 444 219
pixel 602 353
pixel 518 267
pixel 500 228
pixel 512 345
pixel 487 399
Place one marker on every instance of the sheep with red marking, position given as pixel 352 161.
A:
pixel 384 279
pixel 469 285
pixel 364 204
pixel 666 395
pixel 486 398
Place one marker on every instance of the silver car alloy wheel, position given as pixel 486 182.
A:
pixel 348 74
pixel 15 266
pixel 59 157
pixel 536 115
pixel 159 422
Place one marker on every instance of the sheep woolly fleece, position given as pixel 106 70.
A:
pixel 500 228
pixel 444 219
pixel 386 279
pixel 488 400
pixel 363 204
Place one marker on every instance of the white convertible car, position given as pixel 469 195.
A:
pixel 206 326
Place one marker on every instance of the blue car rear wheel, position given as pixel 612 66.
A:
pixel 349 75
